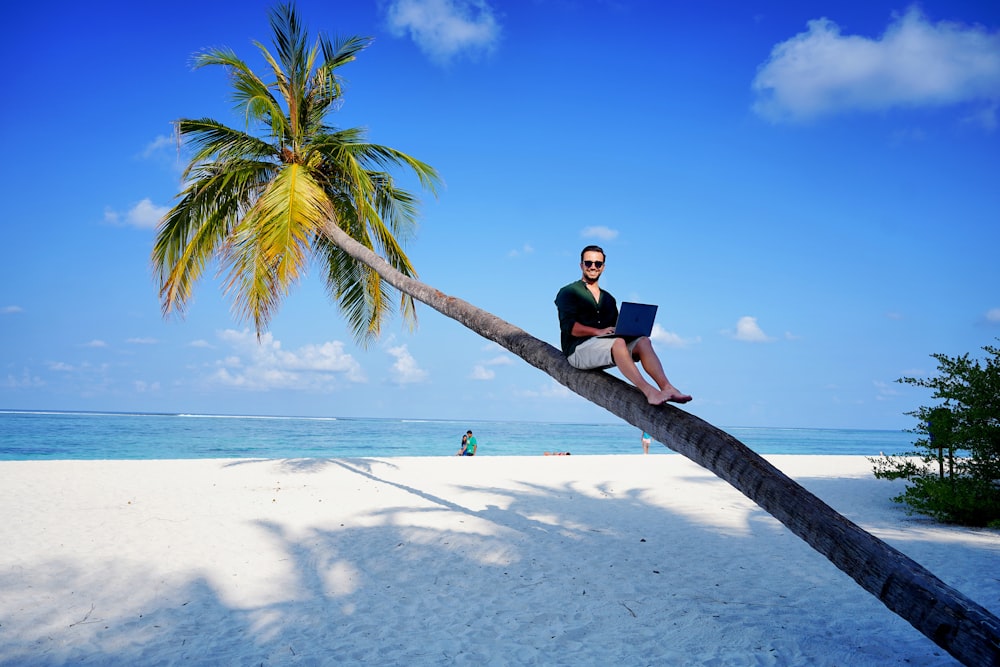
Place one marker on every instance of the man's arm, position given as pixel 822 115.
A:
pixel 566 304
pixel 583 331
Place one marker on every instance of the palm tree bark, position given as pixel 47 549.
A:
pixel 953 621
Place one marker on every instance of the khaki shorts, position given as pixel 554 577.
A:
pixel 595 353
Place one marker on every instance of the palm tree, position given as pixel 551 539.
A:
pixel 266 206
pixel 260 204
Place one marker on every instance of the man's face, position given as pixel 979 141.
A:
pixel 596 264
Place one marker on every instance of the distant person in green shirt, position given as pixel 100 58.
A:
pixel 647 440
pixel 469 445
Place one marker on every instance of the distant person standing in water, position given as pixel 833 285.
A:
pixel 647 440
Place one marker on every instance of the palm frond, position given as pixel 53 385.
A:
pixel 342 51
pixel 199 225
pixel 251 95
pixel 349 144
pixel 362 296
pixel 269 250
pixel 211 140
pixel 325 88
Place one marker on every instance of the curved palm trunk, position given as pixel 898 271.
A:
pixel 954 622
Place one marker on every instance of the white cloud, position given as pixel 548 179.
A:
pixel 444 29
pixel 142 341
pixel 480 372
pixel 200 343
pixel 599 232
pixel 986 117
pixel 914 63
pixel 60 366
pixel 501 360
pixel 407 370
pixel 11 310
pixel 670 339
pixel 526 249
pixel 265 365
pixel 144 215
pixel 142 387
pixel 550 390
pixel 158 144
pixel 884 390
pixel 26 381
pixel 993 316
pixel 95 343
pixel 749 331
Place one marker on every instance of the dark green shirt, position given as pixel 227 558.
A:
pixel 576 304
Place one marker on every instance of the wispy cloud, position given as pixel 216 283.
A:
pixel 11 310
pixel 143 387
pixel 599 232
pixel 60 367
pixel 985 117
pixel 749 331
pixel 406 369
pixel 484 370
pixel 446 29
pixel 526 249
pixel 265 365
pixel 885 390
pixel 24 381
pixel 913 63
pixel 144 215
pixel 157 145
pixel 670 339
pixel 480 372
pixel 993 316
pixel 552 389
pixel 142 341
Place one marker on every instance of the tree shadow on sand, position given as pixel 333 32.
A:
pixel 530 573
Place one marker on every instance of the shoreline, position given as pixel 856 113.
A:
pixel 587 559
pixel 140 437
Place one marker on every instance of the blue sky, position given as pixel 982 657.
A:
pixel 809 190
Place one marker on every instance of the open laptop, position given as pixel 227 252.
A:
pixel 634 320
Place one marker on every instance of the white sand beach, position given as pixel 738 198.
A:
pixel 545 560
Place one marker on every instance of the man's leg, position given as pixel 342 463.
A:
pixel 651 363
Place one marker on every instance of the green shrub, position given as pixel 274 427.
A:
pixel 954 473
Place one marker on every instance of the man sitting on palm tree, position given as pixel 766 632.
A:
pixel 585 312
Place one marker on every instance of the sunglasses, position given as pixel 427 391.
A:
pixel 598 264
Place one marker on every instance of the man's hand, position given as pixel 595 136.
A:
pixel 583 331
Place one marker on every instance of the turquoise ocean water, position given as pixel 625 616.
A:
pixel 42 435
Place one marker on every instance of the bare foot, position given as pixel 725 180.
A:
pixel 667 395
pixel 654 397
